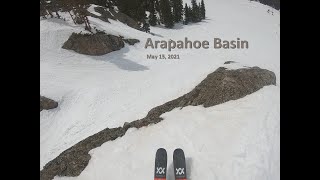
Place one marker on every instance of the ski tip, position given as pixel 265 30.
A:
pixel 178 150
pixel 161 149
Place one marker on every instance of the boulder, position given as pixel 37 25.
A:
pixel 46 103
pixel 93 44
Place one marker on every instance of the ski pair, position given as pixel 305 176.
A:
pixel 179 165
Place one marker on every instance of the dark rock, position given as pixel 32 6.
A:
pixel 229 62
pixel 74 160
pixel 218 87
pixel 131 41
pixel 46 103
pixel 224 85
pixel 126 126
pixel 93 44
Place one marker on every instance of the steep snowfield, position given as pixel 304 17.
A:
pixel 239 138
pixel 235 140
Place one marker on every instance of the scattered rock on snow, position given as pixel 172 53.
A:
pixel 46 103
pixel 93 44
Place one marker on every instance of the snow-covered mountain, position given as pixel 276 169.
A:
pixel 236 140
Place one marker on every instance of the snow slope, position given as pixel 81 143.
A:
pixel 236 140
pixel 106 91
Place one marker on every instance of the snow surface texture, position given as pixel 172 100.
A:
pixel 235 140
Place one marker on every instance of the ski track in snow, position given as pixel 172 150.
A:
pixel 105 91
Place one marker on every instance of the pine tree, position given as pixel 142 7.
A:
pixel 76 8
pixel 146 27
pixel 166 13
pixel 152 16
pixel 43 8
pixel 199 12
pixel 202 10
pixel 177 7
pixel 186 14
pixel 195 11
pixel 157 9
pixel 104 3
pixel 133 8
pixel 81 12
pixel 157 5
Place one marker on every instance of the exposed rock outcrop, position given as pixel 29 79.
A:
pixel 224 85
pixel 218 87
pixel 46 103
pixel 93 44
